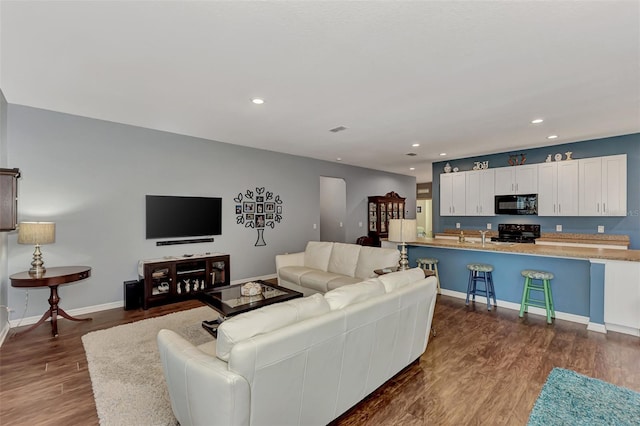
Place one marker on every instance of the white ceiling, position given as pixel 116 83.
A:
pixel 465 78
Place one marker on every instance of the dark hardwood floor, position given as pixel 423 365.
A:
pixel 484 368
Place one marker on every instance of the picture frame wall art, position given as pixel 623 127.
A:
pixel 259 209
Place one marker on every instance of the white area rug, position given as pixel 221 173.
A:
pixel 125 369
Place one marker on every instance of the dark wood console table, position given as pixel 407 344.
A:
pixel 52 278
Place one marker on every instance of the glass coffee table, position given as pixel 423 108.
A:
pixel 228 301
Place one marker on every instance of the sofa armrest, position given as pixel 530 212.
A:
pixel 290 259
pixel 200 384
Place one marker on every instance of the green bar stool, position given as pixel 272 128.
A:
pixel 429 264
pixel 530 276
pixel 475 269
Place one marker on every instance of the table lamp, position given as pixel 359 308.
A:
pixel 401 231
pixel 37 233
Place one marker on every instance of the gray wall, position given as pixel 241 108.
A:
pixel 629 225
pixel 91 178
pixel 4 276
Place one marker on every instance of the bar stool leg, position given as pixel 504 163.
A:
pixel 553 311
pixel 547 299
pixel 469 287
pixel 491 292
pixel 525 298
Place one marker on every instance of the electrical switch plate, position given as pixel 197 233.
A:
pixel 558 228
pixel 340 224
pixel 600 229
pixel 359 224
pixel 315 226
pixel 488 226
pixel 458 225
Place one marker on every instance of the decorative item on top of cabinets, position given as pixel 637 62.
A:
pixel 480 165
pixel 447 168
pixel 380 210
pixel 515 161
pixel 568 154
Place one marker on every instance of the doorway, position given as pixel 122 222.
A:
pixel 333 209
pixel 424 218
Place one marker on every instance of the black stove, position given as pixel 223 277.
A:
pixel 514 233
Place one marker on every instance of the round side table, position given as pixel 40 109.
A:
pixel 52 278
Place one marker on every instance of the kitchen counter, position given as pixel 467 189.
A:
pixel 561 251
pixel 586 279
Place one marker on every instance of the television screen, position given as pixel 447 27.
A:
pixel 170 216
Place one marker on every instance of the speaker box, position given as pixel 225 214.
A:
pixel 133 291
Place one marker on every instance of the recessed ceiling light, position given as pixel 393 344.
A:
pixel 552 137
pixel 412 168
pixel 257 101
pixel 415 145
pixel 442 154
pixel 537 121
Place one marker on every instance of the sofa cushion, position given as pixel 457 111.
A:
pixel 351 294
pixel 400 279
pixel 267 319
pixel 342 280
pixel 293 273
pixel 344 258
pixel 318 280
pixel 371 258
pixel 317 255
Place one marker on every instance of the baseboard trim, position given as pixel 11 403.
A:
pixel 4 332
pixel 516 307
pixel 623 329
pixel 598 328
pixel 102 307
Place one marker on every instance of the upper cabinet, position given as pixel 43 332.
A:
pixel 452 194
pixel 558 189
pixel 516 180
pixel 603 186
pixel 480 192
pixel 9 199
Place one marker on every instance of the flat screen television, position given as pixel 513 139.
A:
pixel 172 216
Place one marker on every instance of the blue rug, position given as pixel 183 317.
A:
pixel 569 398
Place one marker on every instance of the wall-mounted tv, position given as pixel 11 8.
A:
pixel 171 216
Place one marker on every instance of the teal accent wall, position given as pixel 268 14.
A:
pixel 629 225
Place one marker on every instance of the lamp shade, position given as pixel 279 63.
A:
pixel 36 233
pixel 403 230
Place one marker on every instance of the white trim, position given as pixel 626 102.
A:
pixel 599 328
pixel 623 329
pixel 103 307
pixel 516 307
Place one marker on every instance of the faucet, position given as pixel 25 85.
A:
pixel 484 237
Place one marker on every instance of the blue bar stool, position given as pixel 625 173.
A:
pixel 544 287
pixel 475 269
pixel 429 264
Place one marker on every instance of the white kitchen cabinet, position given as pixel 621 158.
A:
pixel 479 191
pixel 516 180
pixel 452 194
pixel 603 186
pixel 622 297
pixel 558 189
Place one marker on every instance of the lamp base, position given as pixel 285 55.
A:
pixel 37 265
pixel 404 259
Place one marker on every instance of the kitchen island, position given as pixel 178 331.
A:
pixel 599 287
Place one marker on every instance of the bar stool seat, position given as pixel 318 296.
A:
pixel 431 264
pixel 545 287
pixel 475 271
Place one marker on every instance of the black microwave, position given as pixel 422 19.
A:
pixel 517 204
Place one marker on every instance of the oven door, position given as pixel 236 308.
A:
pixel 526 204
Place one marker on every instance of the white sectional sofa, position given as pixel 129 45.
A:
pixel 302 362
pixel 324 266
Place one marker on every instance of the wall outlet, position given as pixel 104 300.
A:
pixel 558 228
pixel 340 224
pixel 600 229
pixel 488 226
pixel 457 225
pixel 315 226
pixel 359 224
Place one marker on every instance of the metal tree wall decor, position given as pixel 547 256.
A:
pixel 258 210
